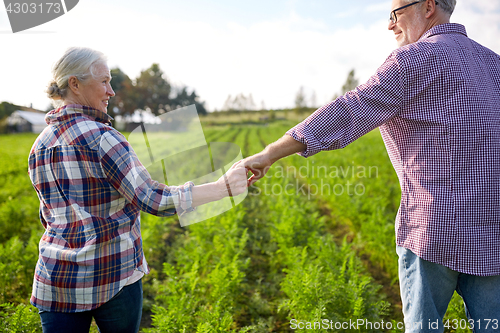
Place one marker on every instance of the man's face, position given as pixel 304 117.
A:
pixel 410 24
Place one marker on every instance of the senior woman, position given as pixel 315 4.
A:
pixel 92 188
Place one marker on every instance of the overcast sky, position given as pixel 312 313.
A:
pixel 220 47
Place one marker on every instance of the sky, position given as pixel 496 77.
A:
pixel 223 47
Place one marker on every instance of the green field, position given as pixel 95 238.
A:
pixel 313 240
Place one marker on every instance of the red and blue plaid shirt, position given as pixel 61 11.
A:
pixel 437 103
pixel 92 188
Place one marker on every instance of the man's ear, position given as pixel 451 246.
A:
pixel 430 8
pixel 74 85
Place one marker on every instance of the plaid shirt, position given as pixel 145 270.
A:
pixel 437 103
pixel 91 188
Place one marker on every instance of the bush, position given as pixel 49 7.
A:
pixel 19 318
pixel 17 266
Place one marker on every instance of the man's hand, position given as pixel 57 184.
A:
pixel 260 163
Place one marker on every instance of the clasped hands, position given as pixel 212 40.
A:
pixel 236 179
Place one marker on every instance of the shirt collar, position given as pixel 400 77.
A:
pixel 446 28
pixel 71 110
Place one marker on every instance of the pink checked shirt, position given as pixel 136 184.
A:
pixel 437 103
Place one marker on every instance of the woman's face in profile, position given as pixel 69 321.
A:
pixel 95 92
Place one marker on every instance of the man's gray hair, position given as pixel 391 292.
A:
pixel 76 61
pixel 447 5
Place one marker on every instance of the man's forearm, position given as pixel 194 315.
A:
pixel 283 147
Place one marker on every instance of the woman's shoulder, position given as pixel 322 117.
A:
pixel 112 139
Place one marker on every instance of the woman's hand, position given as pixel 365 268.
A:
pixel 234 181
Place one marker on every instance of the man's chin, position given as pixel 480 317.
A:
pixel 402 43
pixel 399 40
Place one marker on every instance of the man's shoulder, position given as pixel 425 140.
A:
pixel 417 54
pixel 421 47
pixel 445 39
pixel 435 50
pixel 479 48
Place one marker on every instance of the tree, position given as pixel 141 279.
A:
pixel 351 82
pixel 300 100
pixel 183 98
pixel 153 90
pixel 239 103
pixel 314 102
pixel 150 90
pixel 228 104
pixel 6 109
pixel 126 96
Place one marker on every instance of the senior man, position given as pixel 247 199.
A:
pixel 436 100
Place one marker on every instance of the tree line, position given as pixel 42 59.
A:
pixel 152 91
pixel 241 102
pixel 301 100
pixel 149 91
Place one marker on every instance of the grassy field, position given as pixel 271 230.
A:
pixel 312 240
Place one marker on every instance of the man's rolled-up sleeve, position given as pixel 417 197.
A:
pixel 344 120
pixel 129 177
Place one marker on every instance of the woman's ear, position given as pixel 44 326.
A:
pixel 74 84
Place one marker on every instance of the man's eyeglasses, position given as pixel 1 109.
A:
pixel 393 18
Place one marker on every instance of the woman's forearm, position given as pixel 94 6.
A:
pixel 206 193
pixel 233 183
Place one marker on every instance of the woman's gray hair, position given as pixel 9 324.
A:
pixel 76 61
pixel 447 5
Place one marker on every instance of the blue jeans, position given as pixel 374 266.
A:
pixel 121 314
pixel 427 288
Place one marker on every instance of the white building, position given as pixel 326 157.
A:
pixel 26 121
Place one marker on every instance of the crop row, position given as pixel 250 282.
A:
pixel 359 192
pixel 258 266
